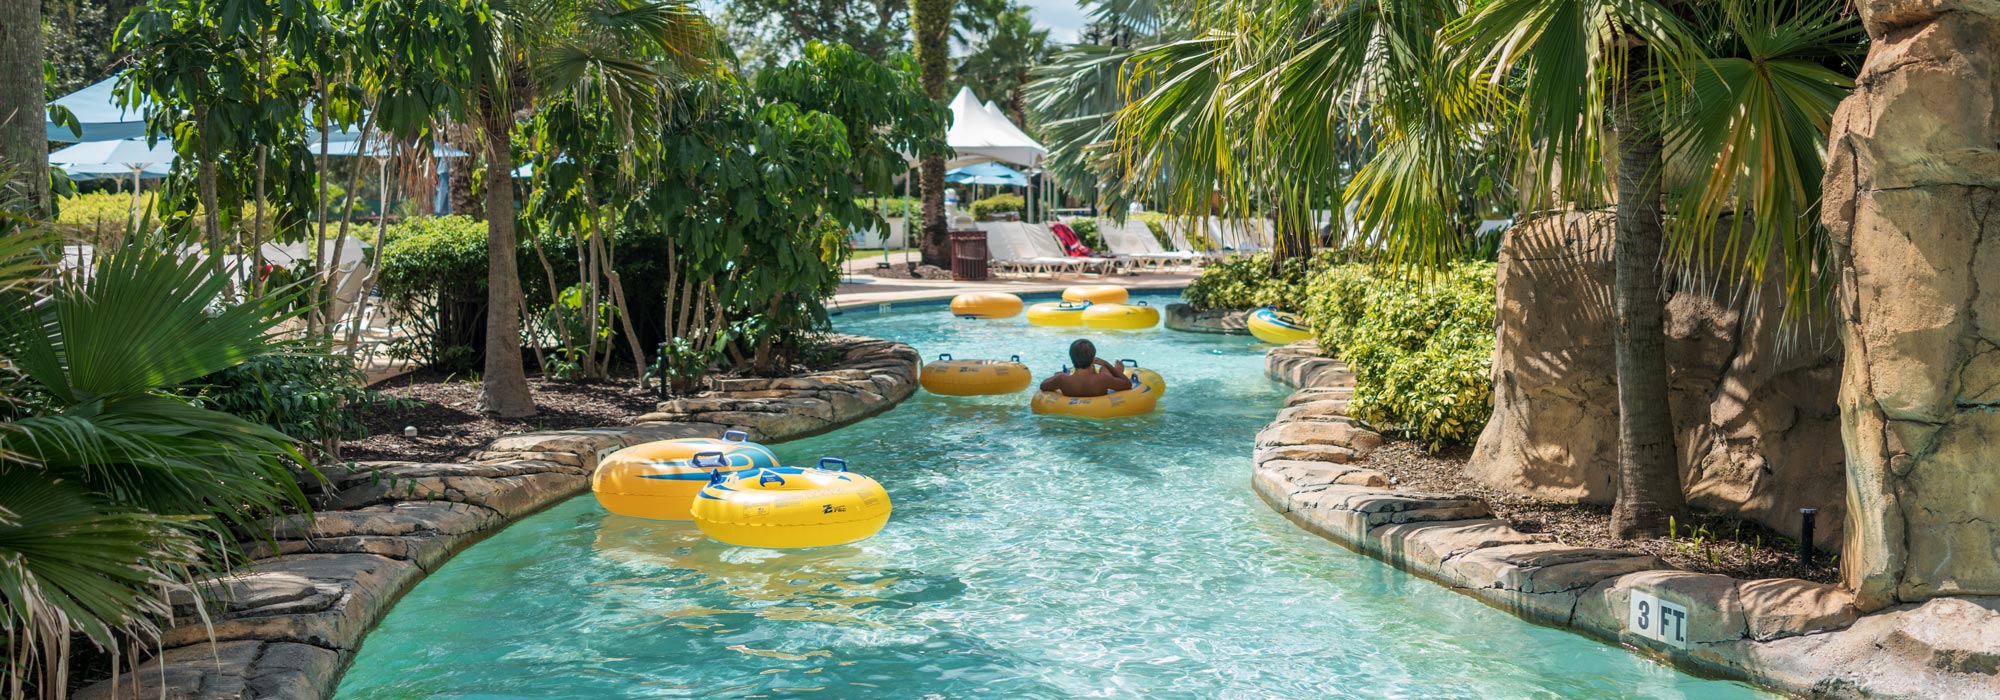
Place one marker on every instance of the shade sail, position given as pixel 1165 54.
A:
pixel 980 135
pixel 100 114
pixel 987 173
pixel 79 171
pixel 129 153
pixel 103 119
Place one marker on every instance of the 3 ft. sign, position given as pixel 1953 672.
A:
pixel 1658 620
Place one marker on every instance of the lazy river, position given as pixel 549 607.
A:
pixel 1028 557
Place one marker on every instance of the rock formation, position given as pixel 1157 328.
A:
pixel 1753 398
pixel 1911 193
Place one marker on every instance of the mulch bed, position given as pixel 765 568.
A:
pixel 445 411
pixel 1711 544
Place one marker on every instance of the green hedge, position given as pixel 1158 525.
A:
pixel 997 204
pixel 1420 344
pixel 1249 281
pixel 433 275
pixel 1086 231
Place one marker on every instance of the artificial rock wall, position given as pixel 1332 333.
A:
pixel 1753 398
pixel 1911 193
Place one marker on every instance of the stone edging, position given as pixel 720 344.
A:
pixel 1182 317
pixel 287 625
pixel 1790 634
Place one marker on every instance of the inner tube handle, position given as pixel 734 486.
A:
pixel 1014 358
pixel 1128 362
pixel 767 476
pixel 944 357
pixel 823 461
pixel 714 476
pixel 734 436
pixel 715 458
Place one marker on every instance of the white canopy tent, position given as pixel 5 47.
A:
pixel 980 133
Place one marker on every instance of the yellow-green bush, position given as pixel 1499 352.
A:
pixel 1420 344
pixel 99 215
pixel 1247 282
pixel 997 204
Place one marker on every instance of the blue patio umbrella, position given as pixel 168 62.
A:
pixel 987 173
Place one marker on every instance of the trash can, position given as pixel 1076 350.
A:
pixel 968 255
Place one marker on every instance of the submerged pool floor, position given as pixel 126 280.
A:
pixel 1028 557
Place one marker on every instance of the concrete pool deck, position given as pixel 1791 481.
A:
pixel 866 289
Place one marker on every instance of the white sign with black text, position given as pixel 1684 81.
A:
pixel 1658 620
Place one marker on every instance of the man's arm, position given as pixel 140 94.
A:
pixel 1053 383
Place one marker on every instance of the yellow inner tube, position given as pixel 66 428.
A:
pixel 659 480
pixel 951 377
pixel 792 507
pixel 1097 293
pixel 986 305
pixel 1053 313
pixel 1121 316
pixel 1277 327
pixel 1138 400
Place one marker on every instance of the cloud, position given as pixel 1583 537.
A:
pixel 1063 18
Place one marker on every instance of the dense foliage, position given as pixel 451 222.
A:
pixel 985 209
pixel 1420 344
pixel 1249 281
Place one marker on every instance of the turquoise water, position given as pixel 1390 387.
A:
pixel 1029 557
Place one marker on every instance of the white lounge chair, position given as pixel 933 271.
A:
pixel 1010 248
pixel 1046 245
pixel 1134 239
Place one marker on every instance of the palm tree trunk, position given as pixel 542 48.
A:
pixel 1649 484
pixel 930 20
pixel 504 382
pixel 23 140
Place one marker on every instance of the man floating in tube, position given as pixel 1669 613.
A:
pixel 1092 376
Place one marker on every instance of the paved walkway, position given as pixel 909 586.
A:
pixel 865 289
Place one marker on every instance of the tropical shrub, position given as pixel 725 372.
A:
pixel 998 204
pixel 1420 344
pixel 432 274
pixel 1248 282
pixel 101 216
pixel 114 489
pixel 311 396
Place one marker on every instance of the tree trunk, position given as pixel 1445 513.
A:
pixel 930 21
pixel 23 140
pixel 1649 484
pixel 464 201
pixel 504 383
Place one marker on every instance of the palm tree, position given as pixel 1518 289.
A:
pixel 506 58
pixel 1396 105
pixel 930 23
pixel 1740 90
pixel 1007 51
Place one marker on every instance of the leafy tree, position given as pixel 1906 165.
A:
pixel 488 61
pixel 876 28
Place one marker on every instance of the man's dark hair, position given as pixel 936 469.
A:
pixel 1081 353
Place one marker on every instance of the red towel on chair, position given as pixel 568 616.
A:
pixel 1071 244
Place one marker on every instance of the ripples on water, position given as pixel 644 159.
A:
pixel 1028 557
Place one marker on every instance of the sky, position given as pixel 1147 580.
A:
pixel 1063 18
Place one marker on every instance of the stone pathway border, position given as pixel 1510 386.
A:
pixel 1789 634
pixel 287 625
